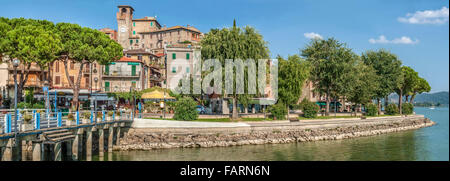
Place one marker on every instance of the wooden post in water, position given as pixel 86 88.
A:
pixel 37 152
pixel 24 150
pixel 8 151
pixel 89 144
pixel 101 142
pixel 57 151
pixel 110 138
pixel 118 135
pixel 77 144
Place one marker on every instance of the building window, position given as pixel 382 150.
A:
pixel 151 36
pixel 86 82
pixel 174 69
pixel 139 57
pixel 134 32
pixel 72 78
pixel 151 23
pixel 72 66
pixel 57 80
pixel 137 41
pixel 134 23
pixel 151 45
pixel 133 84
pixel 131 42
pixel 174 56
pixel 56 66
pixel 106 86
pixel 187 56
pixel 187 69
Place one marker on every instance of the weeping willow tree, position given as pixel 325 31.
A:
pixel 234 43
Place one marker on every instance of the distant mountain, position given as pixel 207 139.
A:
pixel 434 98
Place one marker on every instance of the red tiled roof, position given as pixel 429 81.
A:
pixel 126 59
pixel 160 54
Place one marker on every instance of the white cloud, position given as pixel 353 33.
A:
pixel 312 35
pixel 402 40
pixel 439 16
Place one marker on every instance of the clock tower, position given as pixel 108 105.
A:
pixel 124 22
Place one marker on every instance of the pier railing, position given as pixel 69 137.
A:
pixel 35 119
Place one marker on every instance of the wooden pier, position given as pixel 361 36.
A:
pixel 64 143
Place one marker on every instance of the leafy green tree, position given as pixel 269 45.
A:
pixel 292 75
pixel 371 109
pixel 85 46
pixel 30 41
pixel 388 69
pixel 363 84
pixel 234 43
pixel 331 63
pixel 406 84
pixel 420 87
pixel 185 109
pixel 278 111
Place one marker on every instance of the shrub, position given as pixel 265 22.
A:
pixel 70 117
pixel 392 109
pixel 27 118
pixel 310 109
pixel 87 115
pixel 407 108
pixel 278 111
pixel 38 106
pixel 24 105
pixel 371 110
pixel 185 109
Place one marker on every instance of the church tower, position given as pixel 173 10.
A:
pixel 124 22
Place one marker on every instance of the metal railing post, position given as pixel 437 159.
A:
pixel 103 115
pixel 77 114
pixel 37 121
pixel 59 118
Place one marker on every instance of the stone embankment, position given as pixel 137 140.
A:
pixel 157 137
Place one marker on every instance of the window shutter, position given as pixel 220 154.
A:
pixel 187 56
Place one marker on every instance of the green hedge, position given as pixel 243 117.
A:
pixel 407 108
pixel 310 109
pixel 392 109
pixel 371 109
pixel 185 109
pixel 278 111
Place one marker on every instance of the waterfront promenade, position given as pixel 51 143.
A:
pixel 146 134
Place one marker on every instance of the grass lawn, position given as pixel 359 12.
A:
pixel 219 119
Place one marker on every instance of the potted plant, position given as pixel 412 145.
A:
pixel 27 123
pixel 109 117
pixel 86 117
pixel 99 116
pixel 70 120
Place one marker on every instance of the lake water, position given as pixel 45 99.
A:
pixel 429 143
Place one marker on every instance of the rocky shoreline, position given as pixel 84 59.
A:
pixel 159 138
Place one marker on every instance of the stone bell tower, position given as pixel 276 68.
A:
pixel 124 22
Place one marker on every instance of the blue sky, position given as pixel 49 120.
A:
pixel 424 46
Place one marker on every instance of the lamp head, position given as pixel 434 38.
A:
pixel 16 62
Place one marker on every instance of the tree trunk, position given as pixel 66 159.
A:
pixel 234 114
pixel 400 102
pixel 22 81
pixel 327 107
pixel 76 86
pixel 287 106
pixel 379 106
pixel 406 98
pixel 412 98
pixel 386 101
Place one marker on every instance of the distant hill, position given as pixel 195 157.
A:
pixel 434 98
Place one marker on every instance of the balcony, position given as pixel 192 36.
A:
pixel 119 89
pixel 116 73
pixel 28 83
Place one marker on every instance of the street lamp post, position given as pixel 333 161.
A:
pixel 16 63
